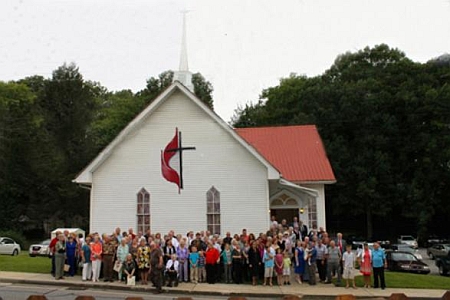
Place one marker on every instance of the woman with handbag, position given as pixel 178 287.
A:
pixel 129 269
pixel 60 256
pixel 71 254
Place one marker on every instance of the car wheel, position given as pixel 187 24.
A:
pixel 442 271
pixel 15 252
pixel 32 255
pixel 431 256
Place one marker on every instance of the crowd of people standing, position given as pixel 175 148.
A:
pixel 286 249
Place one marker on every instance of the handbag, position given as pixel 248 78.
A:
pixel 66 268
pixel 117 266
pixel 131 281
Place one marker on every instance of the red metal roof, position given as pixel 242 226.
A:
pixel 296 151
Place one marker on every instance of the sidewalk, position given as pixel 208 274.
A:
pixel 224 289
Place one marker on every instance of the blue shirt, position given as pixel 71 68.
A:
pixel 193 257
pixel 87 253
pixel 269 263
pixel 71 248
pixel 378 258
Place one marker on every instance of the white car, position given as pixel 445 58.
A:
pixel 41 249
pixel 408 240
pixel 8 246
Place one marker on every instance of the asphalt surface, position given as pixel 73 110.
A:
pixel 23 291
pixel 431 263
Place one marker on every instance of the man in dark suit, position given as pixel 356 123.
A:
pixel 303 230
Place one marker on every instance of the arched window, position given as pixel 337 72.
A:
pixel 143 211
pixel 213 210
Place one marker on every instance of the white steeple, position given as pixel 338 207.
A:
pixel 183 75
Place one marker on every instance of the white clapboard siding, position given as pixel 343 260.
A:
pixel 219 161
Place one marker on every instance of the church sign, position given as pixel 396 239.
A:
pixel 172 160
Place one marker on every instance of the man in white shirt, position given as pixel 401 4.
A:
pixel 175 242
pixel 348 260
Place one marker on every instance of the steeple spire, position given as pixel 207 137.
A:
pixel 184 57
pixel 183 75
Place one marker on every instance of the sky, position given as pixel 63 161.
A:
pixel 240 46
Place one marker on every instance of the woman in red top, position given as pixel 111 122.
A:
pixel 211 257
pixel 96 258
pixel 365 262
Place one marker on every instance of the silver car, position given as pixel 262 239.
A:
pixel 41 249
pixel 9 246
pixel 438 250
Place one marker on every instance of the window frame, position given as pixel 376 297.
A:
pixel 213 216
pixel 143 212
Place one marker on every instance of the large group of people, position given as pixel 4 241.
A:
pixel 287 251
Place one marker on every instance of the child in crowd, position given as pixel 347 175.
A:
pixel 279 266
pixel 287 268
pixel 201 267
pixel 193 264
pixel 349 266
pixel 268 258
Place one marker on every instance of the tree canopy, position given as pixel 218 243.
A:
pixel 50 128
pixel 385 123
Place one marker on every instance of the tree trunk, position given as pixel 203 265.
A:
pixel 369 223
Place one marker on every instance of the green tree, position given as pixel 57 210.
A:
pixel 119 108
pixel 19 122
pixel 385 123
pixel 203 89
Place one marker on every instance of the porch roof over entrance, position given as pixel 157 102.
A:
pixel 312 192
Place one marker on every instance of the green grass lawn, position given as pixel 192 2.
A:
pixel 415 281
pixel 24 263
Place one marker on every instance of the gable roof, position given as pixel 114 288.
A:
pixel 85 176
pixel 296 151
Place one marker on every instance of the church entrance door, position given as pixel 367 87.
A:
pixel 285 213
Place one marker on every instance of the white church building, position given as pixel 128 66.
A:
pixel 215 178
pixel 234 179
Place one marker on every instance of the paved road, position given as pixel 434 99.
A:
pixel 10 291
pixel 431 263
pixel 18 291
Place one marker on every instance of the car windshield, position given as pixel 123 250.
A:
pixel 46 242
pixel 403 256
pixel 408 238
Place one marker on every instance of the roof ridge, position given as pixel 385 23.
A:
pixel 277 126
